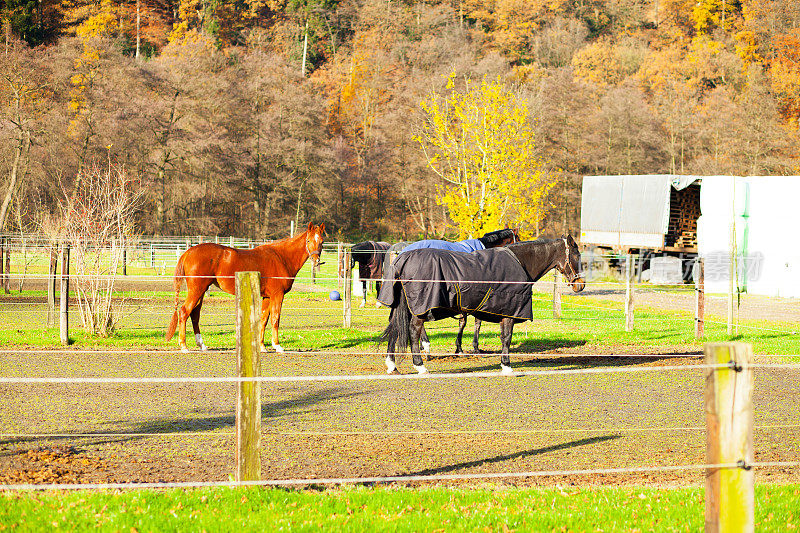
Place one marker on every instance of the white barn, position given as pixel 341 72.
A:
pixel 699 214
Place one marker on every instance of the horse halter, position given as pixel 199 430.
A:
pixel 575 275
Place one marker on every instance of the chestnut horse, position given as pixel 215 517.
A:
pixel 213 264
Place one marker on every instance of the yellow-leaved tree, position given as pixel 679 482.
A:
pixel 479 142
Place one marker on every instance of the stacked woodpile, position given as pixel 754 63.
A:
pixel 684 210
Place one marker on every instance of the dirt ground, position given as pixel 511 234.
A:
pixel 175 433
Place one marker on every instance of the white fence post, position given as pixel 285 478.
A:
pixel 348 290
pixel 64 296
pixel 556 295
pixel 629 293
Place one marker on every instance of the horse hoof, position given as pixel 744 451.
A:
pixel 390 367
pixel 506 370
pixel 263 348
pixel 278 348
pixel 426 347
pixel 203 348
pixel 184 349
pixel 421 369
pixel 362 304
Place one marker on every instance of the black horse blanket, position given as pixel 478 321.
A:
pixel 369 256
pixel 489 284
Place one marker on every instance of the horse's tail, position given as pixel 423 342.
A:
pixel 177 281
pixel 399 329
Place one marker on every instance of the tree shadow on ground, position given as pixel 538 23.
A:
pixel 373 340
pixel 167 426
pixel 538 354
pixel 526 346
pixel 575 362
pixel 512 456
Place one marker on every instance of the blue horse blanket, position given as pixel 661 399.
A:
pixel 469 245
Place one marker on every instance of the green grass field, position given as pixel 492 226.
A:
pixel 310 321
pixel 385 509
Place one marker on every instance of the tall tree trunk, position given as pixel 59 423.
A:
pixel 138 27
pixel 257 173
pixel 160 174
pixel 23 144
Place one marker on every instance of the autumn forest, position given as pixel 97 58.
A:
pixel 236 117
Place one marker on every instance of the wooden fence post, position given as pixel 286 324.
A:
pixel 556 295
pixel 2 260
pixel 348 289
pixel 700 300
pixel 339 269
pixel 64 295
pixel 51 286
pixel 729 438
pixel 7 271
pixel 113 255
pixel 628 293
pixel 248 397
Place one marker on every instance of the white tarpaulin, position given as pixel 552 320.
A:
pixel 724 208
pixel 774 216
pixel 763 211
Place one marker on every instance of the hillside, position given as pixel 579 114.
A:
pixel 234 118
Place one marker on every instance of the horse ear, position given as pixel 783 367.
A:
pixel 570 240
pixel 310 225
pixel 322 229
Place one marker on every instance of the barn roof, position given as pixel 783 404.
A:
pixel 628 210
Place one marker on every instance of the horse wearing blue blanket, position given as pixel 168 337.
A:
pixel 493 239
pixel 493 285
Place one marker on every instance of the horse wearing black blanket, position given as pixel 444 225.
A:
pixel 492 285
pixel 493 239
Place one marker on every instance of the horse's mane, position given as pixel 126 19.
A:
pixel 280 241
pixel 493 237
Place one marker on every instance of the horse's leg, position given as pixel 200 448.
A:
pixel 462 323
pixel 475 348
pixel 391 366
pixel 195 314
pixel 363 293
pixel 424 340
pixel 390 334
pixel 193 296
pixel 263 325
pixel 416 329
pixel 506 332
pixel 276 302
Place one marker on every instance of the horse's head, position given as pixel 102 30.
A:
pixel 570 265
pixel 315 235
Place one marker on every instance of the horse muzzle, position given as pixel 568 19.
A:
pixel 578 284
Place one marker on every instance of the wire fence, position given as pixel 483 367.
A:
pixel 411 478
pixel 147 296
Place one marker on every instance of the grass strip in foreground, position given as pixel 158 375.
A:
pixel 489 508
